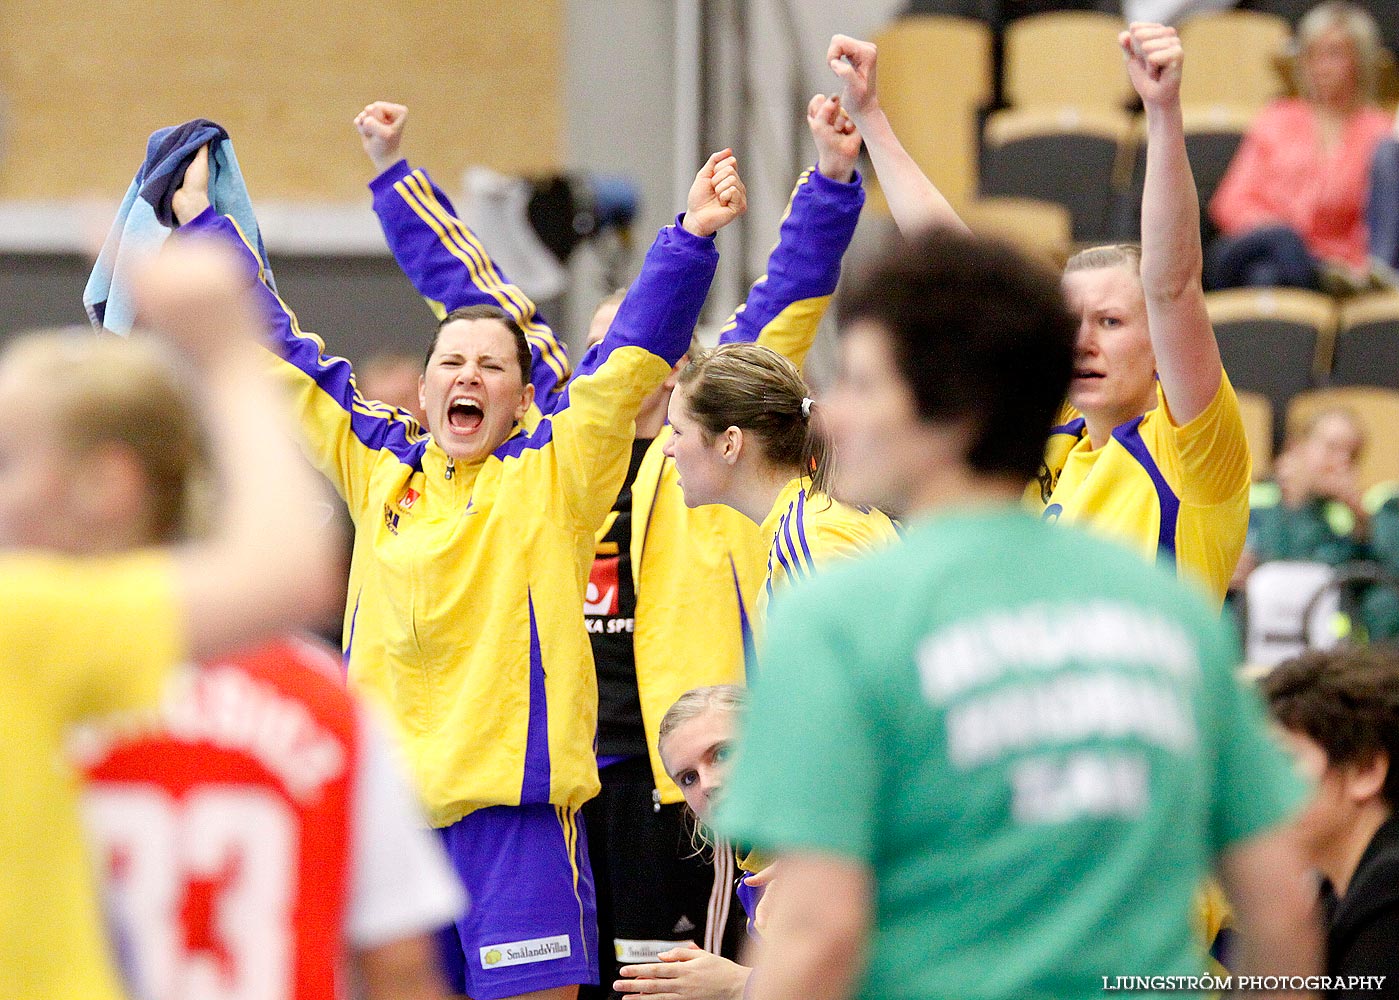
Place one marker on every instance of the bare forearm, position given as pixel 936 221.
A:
pixel 914 201
pixel 806 965
pixel 1187 355
pixel 1171 255
pixel 400 970
pixel 1281 947
pixel 382 161
pixel 1273 893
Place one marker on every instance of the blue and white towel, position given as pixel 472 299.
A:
pixel 145 219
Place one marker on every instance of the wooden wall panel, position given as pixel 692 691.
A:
pixel 84 84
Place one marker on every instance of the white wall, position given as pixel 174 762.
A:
pixel 619 94
pixel 775 54
pixel 617 112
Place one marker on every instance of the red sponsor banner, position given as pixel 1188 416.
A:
pixel 603 599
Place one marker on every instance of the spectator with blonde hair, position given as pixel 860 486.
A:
pixel 1313 510
pixel 1292 205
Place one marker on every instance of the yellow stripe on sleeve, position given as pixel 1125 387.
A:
pixel 732 321
pixel 454 237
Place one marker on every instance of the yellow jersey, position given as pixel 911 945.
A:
pixel 77 639
pixel 696 572
pixel 1177 494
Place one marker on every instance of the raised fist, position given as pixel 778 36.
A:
pixel 837 139
pixel 380 127
pixel 1154 58
pixel 853 61
pixel 717 197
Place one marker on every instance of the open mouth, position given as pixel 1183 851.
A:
pixel 1085 374
pixel 465 415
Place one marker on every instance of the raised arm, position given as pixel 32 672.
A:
pixel 1187 356
pixel 441 256
pixel 268 564
pixel 343 432
pixel 785 306
pixel 914 201
pixel 592 430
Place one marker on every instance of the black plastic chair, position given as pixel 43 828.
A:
pixel 1068 156
pixel 1268 340
pixel 1367 342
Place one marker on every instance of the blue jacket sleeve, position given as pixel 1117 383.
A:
pixel 591 431
pixel 785 306
pixel 663 304
pixel 345 435
pixel 450 268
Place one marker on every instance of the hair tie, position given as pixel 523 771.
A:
pixel 806 407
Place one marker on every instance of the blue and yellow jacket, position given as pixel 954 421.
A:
pixel 805 530
pixel 465 611
pixel 697 572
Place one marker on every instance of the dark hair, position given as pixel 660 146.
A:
pixel 1345 700
pixel 522 350
pixel 761 393
pixel 980 334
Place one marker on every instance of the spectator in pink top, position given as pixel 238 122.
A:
pixel 1292 205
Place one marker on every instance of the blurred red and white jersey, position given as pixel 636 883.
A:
pixel 253 830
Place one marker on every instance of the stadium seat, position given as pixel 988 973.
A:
pixel 1066 58
pixel 1367 342
pixel 934 77
pixel 1378 412
pixel 1231 58
pixel 1066 155
pixel 1212 136
pixel 1038 227
pixel 1268 339
pixel 980 10
pixel 1258 428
